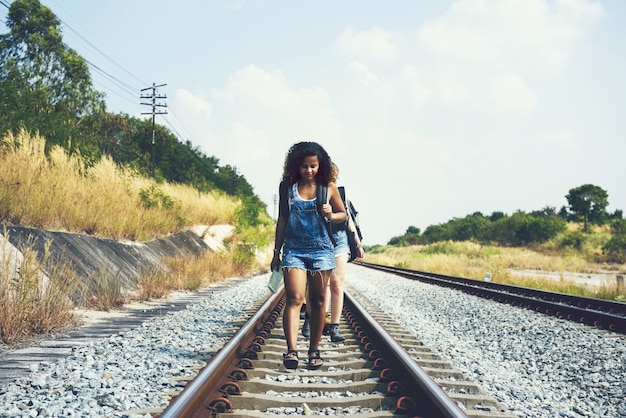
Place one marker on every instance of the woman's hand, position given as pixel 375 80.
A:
pixel 361 253
pixel 328 210
pixel 275 265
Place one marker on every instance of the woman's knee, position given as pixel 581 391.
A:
pixel 295 299
pixel 336 287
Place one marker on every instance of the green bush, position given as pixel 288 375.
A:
pixel 575 240
pixel 615 249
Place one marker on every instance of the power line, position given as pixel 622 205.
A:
pixel 129 89
pixel 181 122
pixel 142 82
pixel 132 91
pixel 174 129
pixel 117 86
pixel 102 53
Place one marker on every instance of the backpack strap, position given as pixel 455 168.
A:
pixel 321 197
pixel 350 211
pixel 342 193
pixel 353 214
pixel 283 201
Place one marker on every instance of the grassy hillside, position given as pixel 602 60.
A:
pixel 63 192
pixel 473 260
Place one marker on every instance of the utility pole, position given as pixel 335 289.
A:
pixel 154 112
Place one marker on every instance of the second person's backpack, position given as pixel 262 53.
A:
pixel 352 214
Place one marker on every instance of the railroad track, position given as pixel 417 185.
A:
pixel 381 370
pixel 603 314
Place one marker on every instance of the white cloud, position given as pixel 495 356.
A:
pixel 258 115
pixel 362 73
pixel 416 85
pixel 527 33
pixel 192 103
pixel 375 44
pixel 247 139
pixel 582 11
pixel 561 137
pixel 417 110
pixel 510 92
pixel 453 91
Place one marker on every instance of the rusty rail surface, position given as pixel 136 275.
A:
pixel 235 382
pixel 202 395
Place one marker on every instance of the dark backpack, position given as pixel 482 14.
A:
pixel 321 196
pixel 351 211
pixel 352 214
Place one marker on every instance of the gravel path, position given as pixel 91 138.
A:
pixel 537 366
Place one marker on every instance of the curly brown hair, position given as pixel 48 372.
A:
pixel 296 155
pixel 334 172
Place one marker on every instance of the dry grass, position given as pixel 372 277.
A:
pixel 470 260
pixel 63 193
pixel 189 272
pixel 66 193
pixel 102 292
pixel 35 296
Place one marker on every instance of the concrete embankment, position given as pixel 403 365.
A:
pixel 93 257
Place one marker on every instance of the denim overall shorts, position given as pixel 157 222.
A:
pixel 307 244
pixel 341 238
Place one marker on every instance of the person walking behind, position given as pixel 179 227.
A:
pixel 308 250
pixel 334 292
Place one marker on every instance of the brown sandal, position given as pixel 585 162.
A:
pixel 315 360
pixel 290 360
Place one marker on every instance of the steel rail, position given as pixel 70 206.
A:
pixel 205 387
pixel 440 402
pixel 607 314
pixel 216 390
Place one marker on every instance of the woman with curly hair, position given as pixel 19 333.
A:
pixel 308 251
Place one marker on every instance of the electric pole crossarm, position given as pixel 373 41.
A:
pixel 154 112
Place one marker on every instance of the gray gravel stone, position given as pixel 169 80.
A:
pixel 537 366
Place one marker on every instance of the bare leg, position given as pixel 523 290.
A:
pixel 336 288
pixel 317 294
pixel 328 295
pixel 295 288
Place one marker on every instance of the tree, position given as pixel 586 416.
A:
pixel 615 249
pixel 44 85
pixel 410 237
pixel 496 215
pixel 588 203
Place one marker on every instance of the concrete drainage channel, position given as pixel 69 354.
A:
pixel 92 256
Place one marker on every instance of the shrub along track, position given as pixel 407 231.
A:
pixel 379 370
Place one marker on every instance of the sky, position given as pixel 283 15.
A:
pixel 432 109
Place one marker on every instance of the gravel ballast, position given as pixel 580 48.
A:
pixel 536 365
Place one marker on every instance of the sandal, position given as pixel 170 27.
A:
pixel 315 360
pixel 290 360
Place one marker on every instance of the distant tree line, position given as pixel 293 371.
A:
pixel 586 204
pixel 46 88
